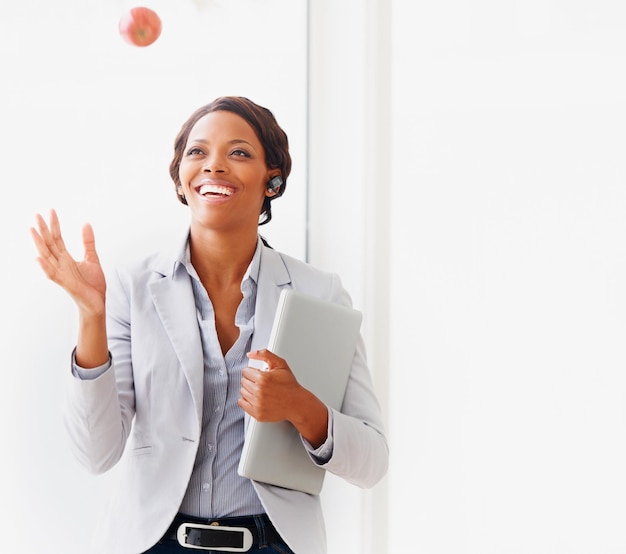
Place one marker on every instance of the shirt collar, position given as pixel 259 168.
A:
pixel 183 259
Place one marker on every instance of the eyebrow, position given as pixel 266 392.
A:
pixel 233 141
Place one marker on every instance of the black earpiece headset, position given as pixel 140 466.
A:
pixel 275 183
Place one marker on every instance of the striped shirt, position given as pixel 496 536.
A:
pixel 215 488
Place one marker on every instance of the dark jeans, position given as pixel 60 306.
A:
pixel 171 546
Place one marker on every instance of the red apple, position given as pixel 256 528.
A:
pixel 140 26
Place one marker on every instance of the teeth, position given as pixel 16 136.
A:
pixel 215 189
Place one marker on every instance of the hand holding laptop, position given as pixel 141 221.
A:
pixel 273 394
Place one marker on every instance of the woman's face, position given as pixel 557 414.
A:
pixel 223 173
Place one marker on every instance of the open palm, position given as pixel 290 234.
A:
pixel 84 281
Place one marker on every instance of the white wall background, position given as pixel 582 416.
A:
pixel 474 155
pixel 509 226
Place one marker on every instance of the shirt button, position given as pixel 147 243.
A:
pixel 205 486
pixel 210 447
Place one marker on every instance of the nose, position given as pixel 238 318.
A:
pixel 214 164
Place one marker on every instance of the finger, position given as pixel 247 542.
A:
pixel 248 400
pixel 245 396
pixel 272 360
pixel 43 227
pixel 39 242
pixel 44 251
pixel 245 406
pixel 46 260
pixel 250 381
pixel 55 227
pixel 245 393
pixel 55 231
pixel 250 374
pixel 89 242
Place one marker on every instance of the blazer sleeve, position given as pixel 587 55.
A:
pixel 360 450
pixel 99 412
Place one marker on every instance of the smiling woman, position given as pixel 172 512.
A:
pixel 213 299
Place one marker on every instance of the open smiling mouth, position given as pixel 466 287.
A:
pixel 214 191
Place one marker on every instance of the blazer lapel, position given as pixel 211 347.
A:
pixel 173 299
pixel 273 277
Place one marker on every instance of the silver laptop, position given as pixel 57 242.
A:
pixel 318 340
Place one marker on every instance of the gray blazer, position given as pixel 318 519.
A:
pixel 147 409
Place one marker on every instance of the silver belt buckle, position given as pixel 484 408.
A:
pixel 246 537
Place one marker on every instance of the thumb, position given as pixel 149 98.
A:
pixel 271 360
pixel 89 242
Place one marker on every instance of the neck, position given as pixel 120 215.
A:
pixel 221 259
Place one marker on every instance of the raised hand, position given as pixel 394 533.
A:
pixel 84 281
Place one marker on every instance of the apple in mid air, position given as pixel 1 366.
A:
pixel 140 26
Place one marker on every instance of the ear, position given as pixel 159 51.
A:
pixel 273 185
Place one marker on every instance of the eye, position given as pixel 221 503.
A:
pixel 240 153
pixel 194 151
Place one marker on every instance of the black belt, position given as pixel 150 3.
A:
pixel 231 534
